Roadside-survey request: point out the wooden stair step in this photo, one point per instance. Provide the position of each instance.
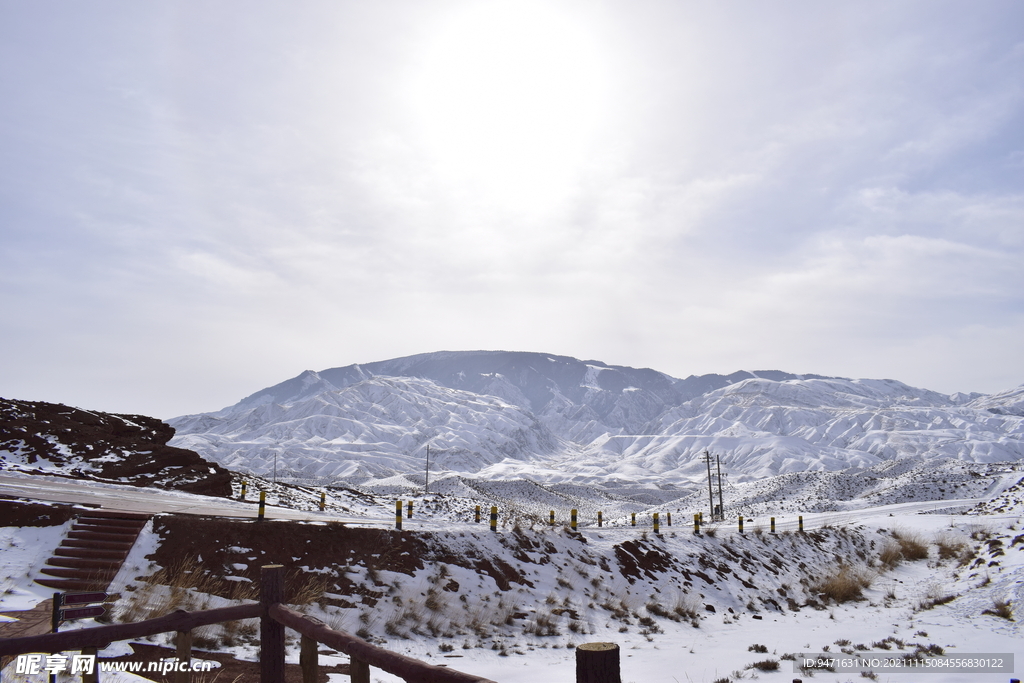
(80, 563)
(84, 574)
(92, 554)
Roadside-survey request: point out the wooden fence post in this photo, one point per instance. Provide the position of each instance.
(271, 631)
(183, 650)
(597, 663)
(93, 677)
(358, 670)
(308, 659)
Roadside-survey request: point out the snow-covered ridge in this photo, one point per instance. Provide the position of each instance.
(554, 419)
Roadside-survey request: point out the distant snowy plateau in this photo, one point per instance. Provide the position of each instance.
(563, 422)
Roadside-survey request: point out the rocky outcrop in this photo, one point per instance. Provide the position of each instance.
(50, 438)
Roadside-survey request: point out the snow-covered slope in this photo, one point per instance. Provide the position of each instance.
(507, 415)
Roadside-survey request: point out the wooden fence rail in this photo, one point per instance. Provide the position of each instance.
(274, 616)
(101, 636)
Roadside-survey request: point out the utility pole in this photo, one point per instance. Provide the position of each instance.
(711, 495)
(426, 485)
(721, 505)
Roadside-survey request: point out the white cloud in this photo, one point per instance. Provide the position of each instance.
(238, 193)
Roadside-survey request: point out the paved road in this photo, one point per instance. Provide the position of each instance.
(152, 501)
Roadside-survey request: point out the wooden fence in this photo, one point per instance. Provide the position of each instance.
(274, 616)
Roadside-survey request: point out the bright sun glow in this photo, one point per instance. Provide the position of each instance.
(508, 97)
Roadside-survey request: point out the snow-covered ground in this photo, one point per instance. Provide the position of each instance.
(576, 591)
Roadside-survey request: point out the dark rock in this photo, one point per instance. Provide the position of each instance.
(52, 438)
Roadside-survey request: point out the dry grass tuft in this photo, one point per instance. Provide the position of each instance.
(890, 555)
(765, 665)
(934, 597)
(950, 545)
(1002, 609)
(844, 584)
(912, 545)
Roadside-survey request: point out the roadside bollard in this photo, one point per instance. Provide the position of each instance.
(801, 521)
(773, 525)
(668, 518)
(572, 519)
(263, 506)
(494, 518)
(551, 518)
(656, 527)
(600, 519)
(477, 520)
(696, 524)
(597, 663)
(410, 510)
(633, 518)
(741, 524)
(398, 515)
(323, 500)
(245, 486)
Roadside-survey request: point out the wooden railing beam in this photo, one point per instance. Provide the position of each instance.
(399, 665)
(101, 636)
(274, 617)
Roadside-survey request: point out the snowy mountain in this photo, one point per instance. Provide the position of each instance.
(554, 419)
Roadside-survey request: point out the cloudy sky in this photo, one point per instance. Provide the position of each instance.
(200, 199)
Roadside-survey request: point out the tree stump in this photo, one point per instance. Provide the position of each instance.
(597, 663)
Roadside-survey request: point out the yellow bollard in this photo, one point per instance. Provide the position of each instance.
(398, 515)
(572, 519)
(696, 524)
(656, 528)
(477, 520)
(245, 486)
(801, 520)
(773, 525)
(633, 517)
(552, 518)
(600, 519)
(741, 524)
(410, 510)
(263, 505)
(494, 518)
(668, 518)
(323, 500)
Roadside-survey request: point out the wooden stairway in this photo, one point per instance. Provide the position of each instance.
(92, 554)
